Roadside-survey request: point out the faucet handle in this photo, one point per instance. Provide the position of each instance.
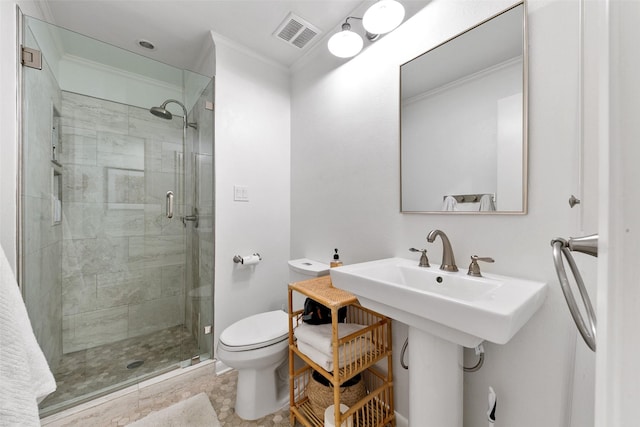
(424, 261)
(474, 268)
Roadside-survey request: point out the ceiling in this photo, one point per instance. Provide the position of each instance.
(179, 28)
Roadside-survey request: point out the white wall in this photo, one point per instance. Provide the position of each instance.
(252, 149)
(345, 192)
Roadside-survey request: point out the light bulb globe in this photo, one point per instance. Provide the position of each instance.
(383, 16)
(345, 44)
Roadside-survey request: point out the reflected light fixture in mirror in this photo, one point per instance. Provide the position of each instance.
(382, 17)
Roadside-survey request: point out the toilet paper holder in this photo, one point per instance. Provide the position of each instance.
(242, 260)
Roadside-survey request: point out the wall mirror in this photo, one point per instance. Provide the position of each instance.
(463, 115)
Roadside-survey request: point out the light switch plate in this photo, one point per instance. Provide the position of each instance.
(240, 193)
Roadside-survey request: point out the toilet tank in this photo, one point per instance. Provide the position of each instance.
(304, 269)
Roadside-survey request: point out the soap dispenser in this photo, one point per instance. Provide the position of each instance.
(336, 259)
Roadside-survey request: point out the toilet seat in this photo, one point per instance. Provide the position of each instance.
(257, 331)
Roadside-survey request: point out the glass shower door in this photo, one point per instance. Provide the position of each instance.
(104, 270)
(199, 174)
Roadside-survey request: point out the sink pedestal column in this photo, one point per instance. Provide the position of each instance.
(435, 381)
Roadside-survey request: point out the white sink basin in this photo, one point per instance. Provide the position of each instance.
(459, 308)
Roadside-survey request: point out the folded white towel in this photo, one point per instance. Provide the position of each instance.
(316, 342)
(326, 361)
(25, 378)
(486, 203)
(449, 204)
(320, 336)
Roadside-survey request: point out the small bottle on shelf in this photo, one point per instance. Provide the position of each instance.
(336, 260)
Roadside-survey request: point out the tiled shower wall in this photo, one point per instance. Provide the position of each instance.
(122, 259)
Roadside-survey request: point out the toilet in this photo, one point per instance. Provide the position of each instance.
(257, 347)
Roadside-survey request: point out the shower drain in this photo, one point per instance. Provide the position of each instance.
(135, 364)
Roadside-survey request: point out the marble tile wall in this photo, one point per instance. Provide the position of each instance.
(42, 237)
(123, 261)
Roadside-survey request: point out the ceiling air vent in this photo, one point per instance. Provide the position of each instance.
(296, 31)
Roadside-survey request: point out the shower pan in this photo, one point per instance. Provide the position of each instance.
(116, 290)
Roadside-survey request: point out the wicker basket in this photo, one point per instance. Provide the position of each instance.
(320, 393)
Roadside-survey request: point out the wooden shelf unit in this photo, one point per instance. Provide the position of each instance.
(376, 408)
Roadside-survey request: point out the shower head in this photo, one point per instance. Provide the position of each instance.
(161, 112)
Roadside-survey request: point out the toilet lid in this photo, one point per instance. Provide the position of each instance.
(259, 330)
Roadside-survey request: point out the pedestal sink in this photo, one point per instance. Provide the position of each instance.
(445, 311)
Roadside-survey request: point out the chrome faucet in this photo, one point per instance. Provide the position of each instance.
(448, 260)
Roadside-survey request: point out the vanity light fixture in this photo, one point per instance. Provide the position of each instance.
(346, 43)
(382, 17)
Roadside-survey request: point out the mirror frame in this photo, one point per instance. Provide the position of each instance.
(525, 116)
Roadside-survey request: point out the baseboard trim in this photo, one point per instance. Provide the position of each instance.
(221, 368)
(401, 421)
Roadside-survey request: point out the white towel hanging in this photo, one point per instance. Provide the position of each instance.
(449, 203)
(25, 378)
(486, 203)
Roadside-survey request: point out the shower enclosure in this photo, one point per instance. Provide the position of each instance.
(117, 289)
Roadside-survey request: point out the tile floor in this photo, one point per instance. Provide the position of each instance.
(87, 373)
(223, 396)
(136, 404)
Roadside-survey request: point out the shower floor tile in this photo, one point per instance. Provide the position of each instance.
(85, 374)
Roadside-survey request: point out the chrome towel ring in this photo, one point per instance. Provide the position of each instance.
(588, 245)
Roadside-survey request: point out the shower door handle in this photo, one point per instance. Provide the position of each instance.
(169, 204)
